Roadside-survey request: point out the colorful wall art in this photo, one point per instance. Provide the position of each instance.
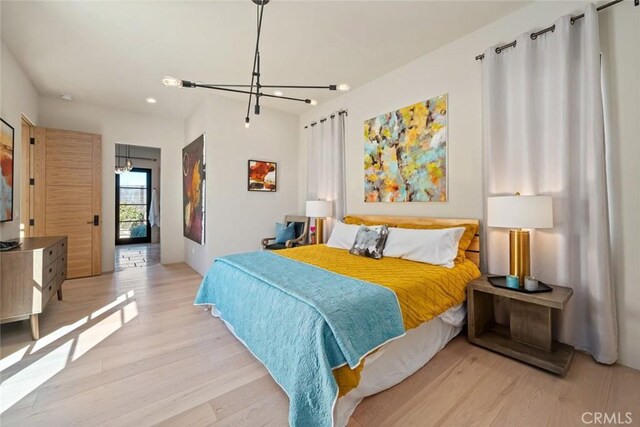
(6, 172)
(263, 176)
(405, 154)
(193, 190)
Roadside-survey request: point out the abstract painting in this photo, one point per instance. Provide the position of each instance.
(6, 172)
(193, 190)
(263, 176)
(405, 154)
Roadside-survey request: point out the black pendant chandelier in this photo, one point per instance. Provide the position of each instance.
(254, 90)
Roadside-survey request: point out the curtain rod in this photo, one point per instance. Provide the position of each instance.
(341, 112)
(553, 27)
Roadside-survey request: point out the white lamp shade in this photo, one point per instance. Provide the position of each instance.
(319, 208)
(520, 212)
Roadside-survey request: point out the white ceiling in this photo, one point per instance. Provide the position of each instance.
(115, 53)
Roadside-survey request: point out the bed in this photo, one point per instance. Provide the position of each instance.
(332, 328)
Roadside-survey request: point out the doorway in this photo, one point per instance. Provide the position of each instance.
(137, 207)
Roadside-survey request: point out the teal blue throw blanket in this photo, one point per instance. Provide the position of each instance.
(301, 322)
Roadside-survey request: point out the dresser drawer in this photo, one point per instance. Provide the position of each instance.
(48, 291)
(62, 261)
(49, 272)
(49, 254)
(62, 247)
(62, 275)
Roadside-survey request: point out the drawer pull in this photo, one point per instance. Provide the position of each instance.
(50, 270)
(50, 252)
(63, 245)
(49, 287)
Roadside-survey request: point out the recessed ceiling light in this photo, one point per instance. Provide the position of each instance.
(151, 100)
(66, 97)
(278, 93)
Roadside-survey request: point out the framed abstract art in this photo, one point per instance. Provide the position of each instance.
(193, 190)
(6, 171)
(405, 154)
(262, 176)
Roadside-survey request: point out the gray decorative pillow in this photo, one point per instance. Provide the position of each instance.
(370, 241)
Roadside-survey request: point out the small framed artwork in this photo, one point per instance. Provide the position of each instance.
(6, 172)
(263, 176)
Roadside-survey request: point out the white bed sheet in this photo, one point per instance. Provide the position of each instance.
(399, 359)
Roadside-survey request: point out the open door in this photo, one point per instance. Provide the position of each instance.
(68, 195)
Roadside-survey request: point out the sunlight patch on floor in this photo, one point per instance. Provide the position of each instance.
(33, 376)
(103, 329)
(25, 381)
(13, 358)
(60, 332)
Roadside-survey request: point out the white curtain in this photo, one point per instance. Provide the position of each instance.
(326, 166)
(544, 134)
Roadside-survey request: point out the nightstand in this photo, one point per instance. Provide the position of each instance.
(528, 336)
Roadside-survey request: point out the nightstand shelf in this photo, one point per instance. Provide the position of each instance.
(528, 337)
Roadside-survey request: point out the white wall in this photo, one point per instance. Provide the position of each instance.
(619, 38)
(452, 69)
(18, 97)
(118, 126)
(237, 219)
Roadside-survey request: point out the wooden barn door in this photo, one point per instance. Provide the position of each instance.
(68, 195)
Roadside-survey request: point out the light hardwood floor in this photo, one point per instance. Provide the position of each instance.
(130, 349)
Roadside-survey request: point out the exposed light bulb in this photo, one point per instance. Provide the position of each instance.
(151, 100)
(246, 123)
(278, 93)
(128, 165)
(344, 87)
(313, 102)
(171, 81)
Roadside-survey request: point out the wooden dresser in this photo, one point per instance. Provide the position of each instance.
(31, 274)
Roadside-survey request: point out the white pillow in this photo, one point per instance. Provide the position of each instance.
(343, 235)
(438, 246)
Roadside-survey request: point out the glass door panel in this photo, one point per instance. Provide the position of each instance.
(133, 196)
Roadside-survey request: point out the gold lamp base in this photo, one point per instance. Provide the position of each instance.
(519, 260)
(319, 231)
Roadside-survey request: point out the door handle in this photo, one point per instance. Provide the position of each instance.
(96, 220)
(89, 222)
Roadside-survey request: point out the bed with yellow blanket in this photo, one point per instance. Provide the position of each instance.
(425, 295)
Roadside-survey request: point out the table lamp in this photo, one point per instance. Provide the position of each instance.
(518, 212)
(319, 209)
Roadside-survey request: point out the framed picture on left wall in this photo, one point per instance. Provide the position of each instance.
(6, 171)
(193, 190)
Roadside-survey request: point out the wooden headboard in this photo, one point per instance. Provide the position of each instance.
(473, 251)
